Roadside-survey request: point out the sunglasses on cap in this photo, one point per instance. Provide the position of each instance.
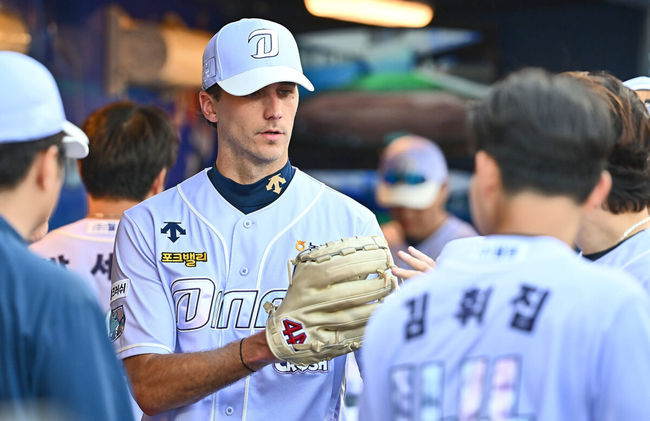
(392, 177)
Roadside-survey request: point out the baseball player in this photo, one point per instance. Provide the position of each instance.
(194, 265)
(515, 325)
(414, 186)
(54, 355)
(131, 148)
(617, 234)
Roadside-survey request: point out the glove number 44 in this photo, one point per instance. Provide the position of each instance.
(294, 332)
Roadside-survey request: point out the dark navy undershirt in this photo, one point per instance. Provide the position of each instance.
(251, 197)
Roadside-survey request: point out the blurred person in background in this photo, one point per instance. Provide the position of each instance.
(131, 149)
(617, 233)
(641, 85)
(55, 355)
(414, 186)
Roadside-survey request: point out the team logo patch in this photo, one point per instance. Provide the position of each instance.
(174, 229)
(290, 368)
(267, 43)
(275, 184)
(302, 245)
(188, 257)
(294, 332)
(116, 323)
(210, 67)
(119, 289)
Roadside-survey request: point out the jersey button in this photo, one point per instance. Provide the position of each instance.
(243, 271)
(229, 410)
(248, 223)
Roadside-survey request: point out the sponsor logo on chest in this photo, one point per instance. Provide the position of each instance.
(290, 368)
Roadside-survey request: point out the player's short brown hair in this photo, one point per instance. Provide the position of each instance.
(548, 133)
(129, 146)
(629, 161)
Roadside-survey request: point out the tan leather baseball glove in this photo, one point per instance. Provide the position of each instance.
(332, 293)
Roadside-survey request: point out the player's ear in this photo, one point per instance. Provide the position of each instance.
(599, 193)
(158, 184)
(487, 174)
(208, 106)
(48, 169)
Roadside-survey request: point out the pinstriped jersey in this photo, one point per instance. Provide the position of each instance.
(510, 328)
(191, 273)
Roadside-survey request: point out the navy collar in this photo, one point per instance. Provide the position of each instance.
(251, 197)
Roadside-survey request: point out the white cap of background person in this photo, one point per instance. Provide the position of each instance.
(249, 54)
(639, 83)
(31, 107)
(412, 169)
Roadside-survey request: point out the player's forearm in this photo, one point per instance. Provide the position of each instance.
(164, 382)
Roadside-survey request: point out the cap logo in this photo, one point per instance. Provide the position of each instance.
(267, 43)
(209, 68)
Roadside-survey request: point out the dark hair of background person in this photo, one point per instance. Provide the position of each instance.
(16, 158)
(129, 146)
(629, 161)
(548, 133)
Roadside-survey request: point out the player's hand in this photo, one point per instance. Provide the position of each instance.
(418, 261)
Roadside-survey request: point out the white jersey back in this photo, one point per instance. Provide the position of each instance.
(510, 328)
(85, 247)
(192, 272)
(633, 256)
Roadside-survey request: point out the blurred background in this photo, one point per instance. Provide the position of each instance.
(374, 80)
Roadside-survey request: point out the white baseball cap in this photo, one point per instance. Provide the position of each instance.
(31, 107)
(412, 169)
(249, 54)
(639, 83)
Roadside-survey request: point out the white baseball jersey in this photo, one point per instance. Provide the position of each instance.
(633, 256)
(510, 328)
(85, 247)
(191, 273)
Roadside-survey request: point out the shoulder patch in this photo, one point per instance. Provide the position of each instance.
(119, 289)
(116, 323)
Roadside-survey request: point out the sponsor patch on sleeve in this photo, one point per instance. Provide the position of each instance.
(119, 289)
(116, 323)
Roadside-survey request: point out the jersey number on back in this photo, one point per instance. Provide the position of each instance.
(485, 391)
